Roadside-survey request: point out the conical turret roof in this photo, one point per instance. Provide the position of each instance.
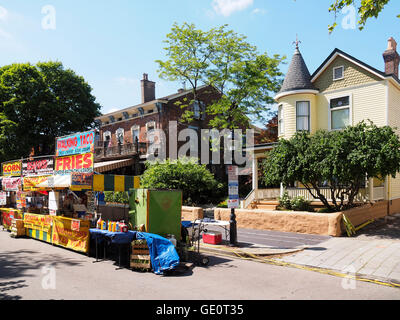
(298, 77)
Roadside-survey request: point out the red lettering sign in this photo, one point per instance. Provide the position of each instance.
(80, 163)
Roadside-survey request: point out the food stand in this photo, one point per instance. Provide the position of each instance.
(11, 183)
(56, 198)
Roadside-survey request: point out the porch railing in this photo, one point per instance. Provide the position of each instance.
(378, 194)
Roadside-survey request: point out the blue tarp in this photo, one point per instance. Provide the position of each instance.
(115, 237)
(163, 254)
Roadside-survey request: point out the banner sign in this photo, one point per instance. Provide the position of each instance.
(12, 169)
(3, 198)
(21, 199)
(64, 236)
(11, 184)
(38, 222)
(79, 143)
(34, 183)
(8, 216)
(39, 167)
(81, 163)
(82, 181)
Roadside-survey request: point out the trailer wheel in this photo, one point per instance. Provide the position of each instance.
(205, 261)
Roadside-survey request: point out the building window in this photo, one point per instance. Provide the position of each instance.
(107, 138)
(135, 133)
(196, 110)
(120, 135)
(338, 73)
(339, 113)
(150, 127)
(303, 116)
(281, 127)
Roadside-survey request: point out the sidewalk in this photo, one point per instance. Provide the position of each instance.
(373, 254)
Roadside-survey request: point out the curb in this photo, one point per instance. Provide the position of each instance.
(241, 254)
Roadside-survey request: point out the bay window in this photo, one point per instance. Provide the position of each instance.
(303, 116)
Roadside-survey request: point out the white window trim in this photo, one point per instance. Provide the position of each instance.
(350, 107)
(334, 69)
(107, 134)
(123, 134)
(281, 119)
(135, 128)
(149, 124)
(309, 114)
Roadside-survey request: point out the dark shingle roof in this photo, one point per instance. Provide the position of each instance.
(298, 77)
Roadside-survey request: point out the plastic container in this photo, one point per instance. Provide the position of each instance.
(104, 225)
(172, 238)
(99, 224)
(124, 227)
(212, 237)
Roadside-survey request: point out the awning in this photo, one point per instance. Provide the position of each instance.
(115, 183)
(112, 165)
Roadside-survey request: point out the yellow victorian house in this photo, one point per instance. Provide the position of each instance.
(343, 91)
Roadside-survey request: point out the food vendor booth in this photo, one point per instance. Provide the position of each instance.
(11, 185)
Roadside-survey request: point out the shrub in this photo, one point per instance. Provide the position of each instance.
(295, 204)
(301, 204)
(285, 202)
(196, 182)
(116, 197)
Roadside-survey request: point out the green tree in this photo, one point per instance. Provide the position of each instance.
(39, 103)
(342, 160)
(196, 181)
(225, 61)
(367, 9)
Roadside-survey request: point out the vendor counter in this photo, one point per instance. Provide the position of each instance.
(8, 214)
(65, 232)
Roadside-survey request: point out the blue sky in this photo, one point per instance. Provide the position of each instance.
(112, 43)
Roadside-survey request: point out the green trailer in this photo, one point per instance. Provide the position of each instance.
(159, 211)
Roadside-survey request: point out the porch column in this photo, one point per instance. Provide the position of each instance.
(255, 172)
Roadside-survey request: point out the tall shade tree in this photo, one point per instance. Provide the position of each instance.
(367, 9)
(338, 160)
(225, 61)
(39, 103)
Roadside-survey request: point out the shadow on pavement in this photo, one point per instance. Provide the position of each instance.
(10, 285)
(17, 264)
(381, 229)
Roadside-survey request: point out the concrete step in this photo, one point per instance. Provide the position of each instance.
(263, 207)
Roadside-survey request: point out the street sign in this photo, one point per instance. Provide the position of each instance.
(233, 185)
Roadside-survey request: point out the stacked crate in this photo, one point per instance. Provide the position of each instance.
(140, 257)
(17, 228)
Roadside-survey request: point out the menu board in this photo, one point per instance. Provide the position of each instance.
(39, 167)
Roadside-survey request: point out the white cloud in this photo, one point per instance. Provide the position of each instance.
(227, 7)
(259, 11)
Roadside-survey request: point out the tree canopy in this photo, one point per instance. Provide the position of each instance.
(226, 61)
(196, 181)
(338, 160)
(367, 9)
(39, 103)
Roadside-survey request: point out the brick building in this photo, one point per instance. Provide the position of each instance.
(122, 143)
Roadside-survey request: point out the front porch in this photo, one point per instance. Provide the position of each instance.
(267, 198)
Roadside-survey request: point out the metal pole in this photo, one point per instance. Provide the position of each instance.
(233, 229)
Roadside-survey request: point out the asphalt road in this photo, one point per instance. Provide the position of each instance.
(30, 269)
(274, 239)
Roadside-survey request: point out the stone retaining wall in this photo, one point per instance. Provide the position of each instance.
(303, 222)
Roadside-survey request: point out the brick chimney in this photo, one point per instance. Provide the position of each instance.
(148, 89)
(392, 58)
